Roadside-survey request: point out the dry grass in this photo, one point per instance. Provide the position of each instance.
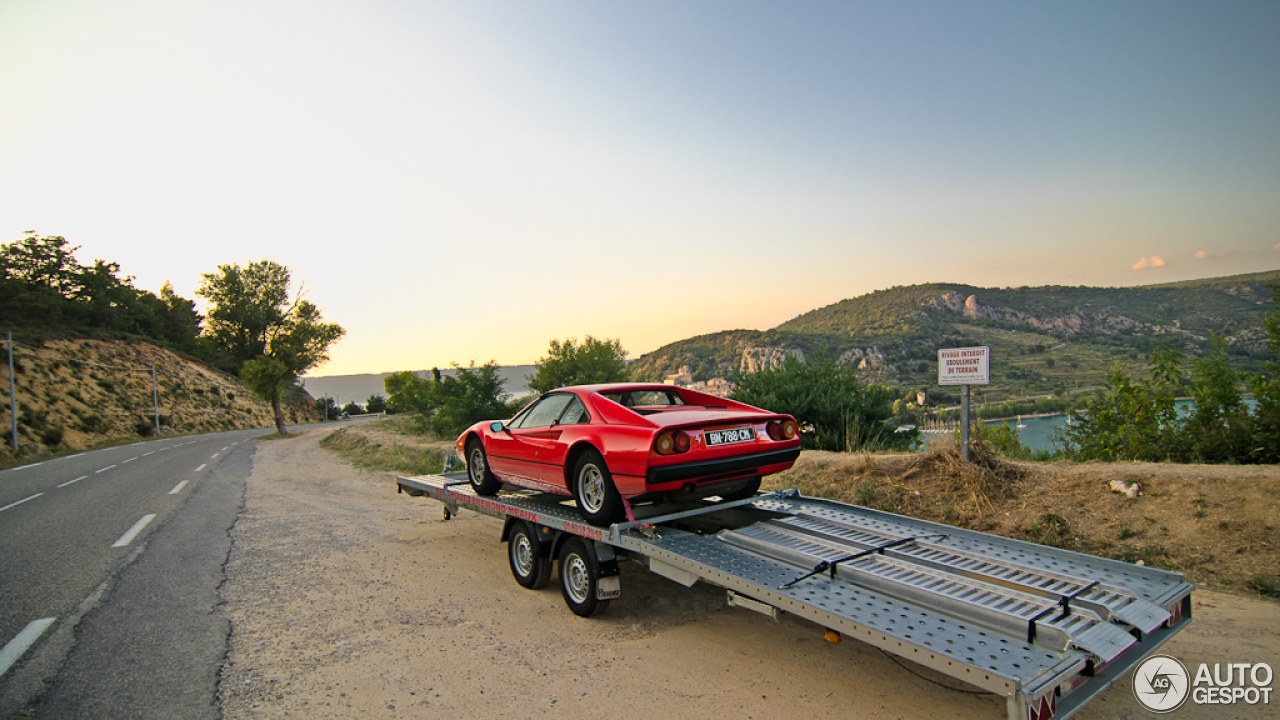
(937, 485)
(390, 445)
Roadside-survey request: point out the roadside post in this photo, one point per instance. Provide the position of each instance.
(964, 366)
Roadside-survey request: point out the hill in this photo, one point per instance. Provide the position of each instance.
(75, 393)
(1043, 339)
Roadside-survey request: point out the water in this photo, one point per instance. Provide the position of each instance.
(1040, 431)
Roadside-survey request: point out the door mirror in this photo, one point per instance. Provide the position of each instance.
(497, 427)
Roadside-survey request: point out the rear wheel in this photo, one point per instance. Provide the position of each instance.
(598, 500)
(531, 568)
(747, 491)
(580, 577)
(483, 481)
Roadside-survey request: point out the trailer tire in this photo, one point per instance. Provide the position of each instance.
(580, 577)
(594, 492)
(530, 567)
(483, 481)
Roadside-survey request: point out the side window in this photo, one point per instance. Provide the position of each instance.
(575, 413)
(546, 411)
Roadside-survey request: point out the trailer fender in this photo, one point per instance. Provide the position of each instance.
(542, 534)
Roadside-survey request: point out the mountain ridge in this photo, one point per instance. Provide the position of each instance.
(894, 334)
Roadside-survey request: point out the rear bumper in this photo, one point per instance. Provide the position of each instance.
(719, 469)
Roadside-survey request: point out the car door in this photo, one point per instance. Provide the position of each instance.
(517, 454)
(558, 438)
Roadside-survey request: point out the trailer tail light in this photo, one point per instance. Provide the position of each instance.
(782, 429)
(672, 443)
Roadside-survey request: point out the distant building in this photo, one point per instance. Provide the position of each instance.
(682, 378)
(717, 386)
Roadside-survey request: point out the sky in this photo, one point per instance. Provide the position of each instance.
(458, 181)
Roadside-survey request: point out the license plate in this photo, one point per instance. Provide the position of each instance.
(728, 437)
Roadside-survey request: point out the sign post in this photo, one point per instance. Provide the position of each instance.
(964, 367)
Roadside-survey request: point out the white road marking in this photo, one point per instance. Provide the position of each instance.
(153, 452)
(135, 457)
(199, 468)
(132, 533)
(213, 456)
(31, 465)
(73, 481)
(178, 488)
(33, 497)
(224, 448)
(23, 642)
(95, 472)
(163, 449)
(68, 457)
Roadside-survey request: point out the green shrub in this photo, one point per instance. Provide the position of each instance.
(51, 436)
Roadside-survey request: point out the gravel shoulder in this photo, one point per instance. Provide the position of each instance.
(347, 600)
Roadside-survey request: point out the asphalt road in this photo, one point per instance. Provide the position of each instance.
(110, 563)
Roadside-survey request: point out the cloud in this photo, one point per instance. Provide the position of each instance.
(1205, 255)
(1155, 261)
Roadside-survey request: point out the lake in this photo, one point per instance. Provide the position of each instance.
(1040, 431)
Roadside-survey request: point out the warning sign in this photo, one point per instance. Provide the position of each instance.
(964, 366)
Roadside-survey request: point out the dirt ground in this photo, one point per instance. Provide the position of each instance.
(349, 601)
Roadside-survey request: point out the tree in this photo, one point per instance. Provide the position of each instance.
(446, 404)
(351, 408)
(327, 407)
(846, 413)
(375, 404)
(471, 395)
(247, 303)
(409, 392)
(252, 319)
(42, 285)
(571, 363)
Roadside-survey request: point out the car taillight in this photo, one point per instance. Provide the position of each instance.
(672, 443)
(782, 429)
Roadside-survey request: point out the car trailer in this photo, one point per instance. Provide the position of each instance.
(1048, 629)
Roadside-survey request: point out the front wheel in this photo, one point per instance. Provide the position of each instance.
(531, 568)
(580, 578)
(483, 481)
(598, 500)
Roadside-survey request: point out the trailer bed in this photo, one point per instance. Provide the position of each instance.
(1047, 629)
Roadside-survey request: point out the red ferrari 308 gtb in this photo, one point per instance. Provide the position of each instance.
(602, 444)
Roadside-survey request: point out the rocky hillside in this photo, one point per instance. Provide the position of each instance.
(1042, 338)
(74, 393)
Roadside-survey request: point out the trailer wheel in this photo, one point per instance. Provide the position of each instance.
(531, 568)
(483, 481)
(579, 577)
(598, 500)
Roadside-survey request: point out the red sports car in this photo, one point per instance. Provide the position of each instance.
(603, 444)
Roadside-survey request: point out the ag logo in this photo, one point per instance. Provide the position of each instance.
(1161, 683)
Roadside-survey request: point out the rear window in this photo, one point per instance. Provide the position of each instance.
(645, 398)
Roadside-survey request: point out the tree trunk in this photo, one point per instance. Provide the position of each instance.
(275, 408)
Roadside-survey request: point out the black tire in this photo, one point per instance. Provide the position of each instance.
(530, 567)
(747, 491)
(483, 481)
(580, 578)
(598, 500)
